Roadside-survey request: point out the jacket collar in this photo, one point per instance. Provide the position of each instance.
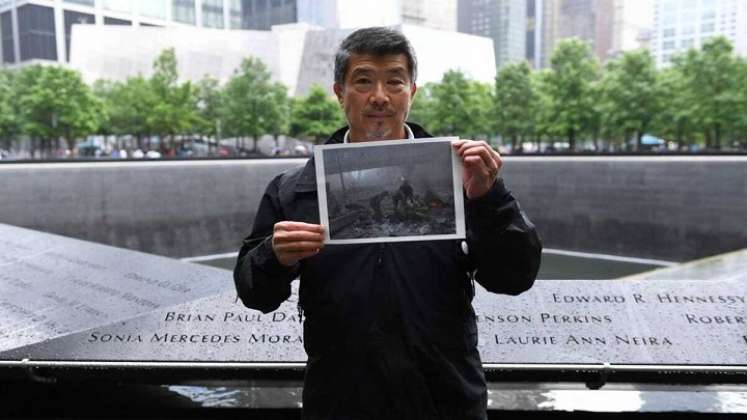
(307, 181)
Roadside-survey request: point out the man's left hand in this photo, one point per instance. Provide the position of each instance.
(481, 165)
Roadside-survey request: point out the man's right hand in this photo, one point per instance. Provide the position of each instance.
(294, 241)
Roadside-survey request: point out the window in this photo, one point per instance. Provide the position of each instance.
(708, 27)
(235, 14)
(687, 43)
(114, 21)
(668, 45)
(6, 34)
(212, 13)
(152, 8)
(73, 18)
(183, 11)
(667, 33)
(83, 2)
(117, 5)
(36, 32)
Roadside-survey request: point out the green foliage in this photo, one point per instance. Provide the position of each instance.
(174, 109)
(279, 113)
(515, 102)
(701, 98)
(629, 96)
(712, 76)
(459, 107)
(248, 101)
(422, 104)
(9, 122)
(209, 106)
(569, 88)
(55, 103)
(678, 114)
(315, 115)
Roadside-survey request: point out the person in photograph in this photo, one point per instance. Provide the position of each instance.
(389, 329)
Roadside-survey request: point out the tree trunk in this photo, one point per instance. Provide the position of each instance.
(572, 140)
(639, 140)
(717, 137)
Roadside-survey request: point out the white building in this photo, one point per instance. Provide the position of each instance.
(434, 14)
(632, 22)
(299, 55)
(683, 24)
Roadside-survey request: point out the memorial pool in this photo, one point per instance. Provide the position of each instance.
(556, 265)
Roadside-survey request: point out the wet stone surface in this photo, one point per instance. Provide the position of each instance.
(197, 317)
(52, 286)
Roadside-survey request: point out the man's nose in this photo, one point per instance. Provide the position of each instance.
(379, 95)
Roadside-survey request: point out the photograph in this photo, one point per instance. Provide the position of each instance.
(390, 191)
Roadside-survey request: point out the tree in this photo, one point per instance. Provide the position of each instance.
(422, 105)
(712, 76)
(541, 118)
(315, 115)
(740, 128)
(676, 120)
(128, 106)
(209, 108)
(249, 104)
(278, 117)
(175, 108)
(460, 107)
(55, 103)
(629, 96)
(569, 89)
(9, 123)
(514, 102)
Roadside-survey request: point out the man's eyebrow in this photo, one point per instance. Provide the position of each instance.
(361, 70)
(399, 70)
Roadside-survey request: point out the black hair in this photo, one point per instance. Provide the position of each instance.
(375, 41)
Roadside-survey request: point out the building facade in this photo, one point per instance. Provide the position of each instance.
(298, 55)
(434, 14)
(41, 29)
(534, 30)
(679, 25)
(504, 21)
(590, 20)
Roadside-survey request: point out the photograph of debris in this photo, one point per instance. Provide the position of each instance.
(390, 191)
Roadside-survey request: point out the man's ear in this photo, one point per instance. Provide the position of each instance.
(338, 91)
(413, 89)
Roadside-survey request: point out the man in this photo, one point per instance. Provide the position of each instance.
(389, 329)
(375, 203)
(404, 194)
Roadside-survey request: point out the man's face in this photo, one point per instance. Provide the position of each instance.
(376, 96)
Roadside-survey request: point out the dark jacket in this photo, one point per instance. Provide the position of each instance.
(389, 329)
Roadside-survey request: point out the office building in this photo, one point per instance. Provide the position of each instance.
(590, 20)
(434, 14)
(41, 29)
(679, 25)
(504, 21)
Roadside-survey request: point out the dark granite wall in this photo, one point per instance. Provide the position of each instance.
(676, 208)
